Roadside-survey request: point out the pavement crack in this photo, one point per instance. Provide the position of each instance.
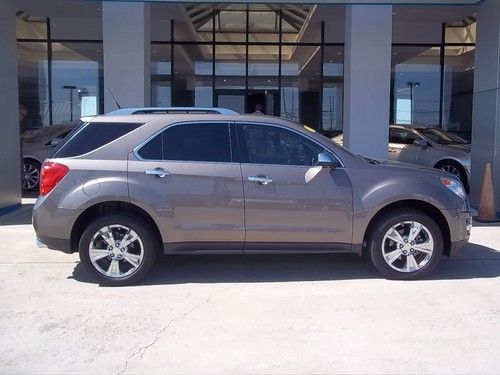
(143, 349)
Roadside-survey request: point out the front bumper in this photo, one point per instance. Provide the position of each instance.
(456, 247)
(460, 224)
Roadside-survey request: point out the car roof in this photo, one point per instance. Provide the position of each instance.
(171, 110)
(168, 118)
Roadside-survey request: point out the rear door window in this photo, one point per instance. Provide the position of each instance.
(91, 136)
(204, 142)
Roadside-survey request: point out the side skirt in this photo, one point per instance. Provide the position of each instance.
(259, 248)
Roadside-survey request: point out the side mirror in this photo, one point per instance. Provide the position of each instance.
(326, 160)
(55, 142)
(420, 142)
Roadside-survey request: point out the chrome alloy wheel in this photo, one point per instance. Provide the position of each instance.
(451, 169)
(116, 251)
(407, 246)
(31, 176)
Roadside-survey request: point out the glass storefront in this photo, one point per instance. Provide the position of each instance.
(432, 83)
(416, 72)
(458, 88)
(33, 81)
(255, 57)
(75, 80)
(59, 81)
(285, 60)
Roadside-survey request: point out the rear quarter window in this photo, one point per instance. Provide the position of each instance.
(92, 135)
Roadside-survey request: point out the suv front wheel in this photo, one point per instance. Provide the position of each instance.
(117, 250)
(405, 245)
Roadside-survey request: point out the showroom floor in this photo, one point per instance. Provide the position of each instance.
(253, 314)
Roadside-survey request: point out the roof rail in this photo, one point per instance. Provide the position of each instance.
(173, 110)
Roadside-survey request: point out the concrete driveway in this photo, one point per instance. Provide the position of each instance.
(254, 314)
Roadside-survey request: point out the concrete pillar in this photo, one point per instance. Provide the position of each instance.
(367, 78)
(486, 108)
(126, 47)
(10, 162)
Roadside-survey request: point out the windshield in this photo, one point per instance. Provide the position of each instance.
(442, 137)
(456, 138)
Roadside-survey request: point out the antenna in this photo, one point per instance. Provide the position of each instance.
(116, 101)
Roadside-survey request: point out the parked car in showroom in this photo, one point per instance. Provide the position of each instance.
(414, 145)
(36, 149)
(123, 188)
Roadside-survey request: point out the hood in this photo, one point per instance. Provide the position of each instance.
(407, 167)
(458, 146)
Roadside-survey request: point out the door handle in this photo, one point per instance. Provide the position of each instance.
(260, 179)
(158, 172)
(392, 150)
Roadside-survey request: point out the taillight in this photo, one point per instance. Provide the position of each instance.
(51, 174)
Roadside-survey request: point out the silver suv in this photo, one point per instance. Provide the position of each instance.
(122, 188)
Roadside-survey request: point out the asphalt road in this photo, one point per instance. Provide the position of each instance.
(253, 314)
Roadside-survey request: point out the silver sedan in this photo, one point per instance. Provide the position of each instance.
(36, 149)
(411, 145)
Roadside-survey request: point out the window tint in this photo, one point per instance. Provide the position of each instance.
(153, 150)
(91, 136)
(274, 145)
(190, 142)
(197, 142)
(401, 136)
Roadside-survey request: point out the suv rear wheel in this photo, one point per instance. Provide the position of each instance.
(117, 250)
(405, 245)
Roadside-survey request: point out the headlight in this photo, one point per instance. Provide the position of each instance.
(455, 186)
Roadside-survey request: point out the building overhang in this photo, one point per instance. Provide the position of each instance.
(344, 2)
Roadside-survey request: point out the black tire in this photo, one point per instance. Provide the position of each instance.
(147, 238)
(447, 165)
(30, 175)
(376, 239)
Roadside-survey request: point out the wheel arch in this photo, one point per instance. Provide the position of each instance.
(107, 208)
(463, 170)
(425, 207)
(31, 158)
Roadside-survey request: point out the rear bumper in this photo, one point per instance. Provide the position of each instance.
(53, 243)
(51, 223)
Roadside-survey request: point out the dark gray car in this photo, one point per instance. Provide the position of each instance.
(122, 188)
